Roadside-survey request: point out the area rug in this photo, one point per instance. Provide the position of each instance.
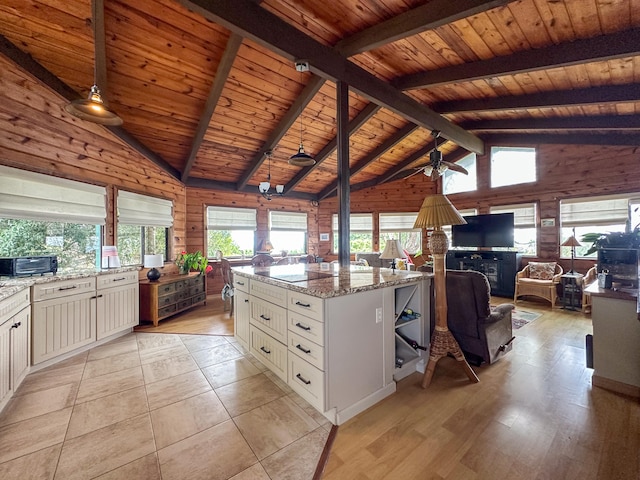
(519, 318)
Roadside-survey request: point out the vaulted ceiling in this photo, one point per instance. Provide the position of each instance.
(206, 88)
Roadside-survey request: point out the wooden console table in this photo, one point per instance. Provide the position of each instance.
(171, 295)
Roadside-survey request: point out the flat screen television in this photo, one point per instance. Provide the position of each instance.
(495, 230)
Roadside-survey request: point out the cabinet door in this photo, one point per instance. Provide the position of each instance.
(20, 342)
(5, 360)
(117, 309)
(63, 324)
(241, 317)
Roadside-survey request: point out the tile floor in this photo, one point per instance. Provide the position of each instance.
(159, 406)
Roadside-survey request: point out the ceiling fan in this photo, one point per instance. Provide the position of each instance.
(437, 166)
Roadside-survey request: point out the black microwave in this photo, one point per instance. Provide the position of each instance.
(23, 266)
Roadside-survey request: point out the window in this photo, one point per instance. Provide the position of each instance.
(288, 231)
(465, 213)
(524, 232)
(400, 226)
(361, 234)
(603, 214)
(456, 182)
(143, 227)
(45, 215)
(231, 230)
(512, 166)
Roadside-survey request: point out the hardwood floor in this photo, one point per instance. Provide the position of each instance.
(209, 319)
(534, 415)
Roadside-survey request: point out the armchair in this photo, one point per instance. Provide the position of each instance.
(538, 279)
(589, 277)
(483, 334)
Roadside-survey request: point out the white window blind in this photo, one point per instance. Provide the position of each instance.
(524, 214)
(34, 196)
(398, 222)
(605, 210)
(143, 210)
(359, 222)
(288, 221)
(230, 218)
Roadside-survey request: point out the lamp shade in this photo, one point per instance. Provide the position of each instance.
(110, 257)
(436, 211)
(571, 242)
(152, 261)
(392, 249)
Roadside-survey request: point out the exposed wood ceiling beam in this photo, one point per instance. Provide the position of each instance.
(561, 139)
(44, 76)
(604, 47)
(251, 21)
(420, 19)
(307, 94)
(559, 98)
(222, 73)
(360, 119)
(603, 122)
(372, 156)
(204, 183)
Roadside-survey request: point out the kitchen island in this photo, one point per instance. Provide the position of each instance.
(338, 336)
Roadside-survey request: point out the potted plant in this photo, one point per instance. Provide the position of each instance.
(629, 239)
(192, 261)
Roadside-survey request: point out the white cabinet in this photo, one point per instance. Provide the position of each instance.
(15, 320)
(117, 306)
(64, 317)
(241, 310)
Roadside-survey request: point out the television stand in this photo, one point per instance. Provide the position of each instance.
(499, 267)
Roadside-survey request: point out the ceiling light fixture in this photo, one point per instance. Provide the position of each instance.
(94, 108)
(265, 186)
(301, 159)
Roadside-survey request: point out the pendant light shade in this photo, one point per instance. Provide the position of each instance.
(301, 158)
(93, 109)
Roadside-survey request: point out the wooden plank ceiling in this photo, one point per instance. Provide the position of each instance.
(206, 88)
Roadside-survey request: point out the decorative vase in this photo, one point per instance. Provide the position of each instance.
(184, 270)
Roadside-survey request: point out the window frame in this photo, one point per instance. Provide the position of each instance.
(352, 217)
(471, 165)
(522, 221)
(294, 227)
(494, 168)
(405, 222)
(239, 219)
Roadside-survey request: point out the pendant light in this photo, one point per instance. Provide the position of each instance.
(264, 187)
(94, 108)
(301, 159)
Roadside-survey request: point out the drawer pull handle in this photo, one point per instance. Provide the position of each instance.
(240, 283)
(300, 347)
(265, 318)
(67, 288)
(16, 325)
(302, 379)
(119, 279)
(305, 305)
(246, 300)
(268, 352)
(303, 327)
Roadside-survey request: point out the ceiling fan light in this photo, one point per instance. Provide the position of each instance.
(264, 187)
(301, 159)
(93, 109)
(279, 189)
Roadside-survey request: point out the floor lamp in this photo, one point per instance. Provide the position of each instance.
(572, 242)
(437, 211)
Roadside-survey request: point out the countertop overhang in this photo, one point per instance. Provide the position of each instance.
(327, 280)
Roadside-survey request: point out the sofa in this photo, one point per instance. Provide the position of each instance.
(484, 335)
(373, 259)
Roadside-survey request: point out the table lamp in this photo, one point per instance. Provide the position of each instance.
(573, 243)
(392, 250)
(110, 258)
(151, 262)
(437, 211)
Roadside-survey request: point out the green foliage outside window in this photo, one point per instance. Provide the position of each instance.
(223, 240)
(76, 246)
(358, 242)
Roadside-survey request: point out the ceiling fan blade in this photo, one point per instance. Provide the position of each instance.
(417, 171)
(455, 167)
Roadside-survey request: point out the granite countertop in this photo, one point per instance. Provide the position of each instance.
(12, 285)
(326, 280)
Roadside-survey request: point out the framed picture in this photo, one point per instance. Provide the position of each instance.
(548, 222)
(324, 237)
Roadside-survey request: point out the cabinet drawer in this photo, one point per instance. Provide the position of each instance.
(182, 304)
(116, 279)
(307, 305)
(166, 288)
(163, 312)
(63, 288)
(195, 290)
(307, 350)
(168, 300)
(241, 283)
(306, 327)
(269, 351)
(307, 381)
(13, 304)
(270, 318)
(199, 298)
(270, 293)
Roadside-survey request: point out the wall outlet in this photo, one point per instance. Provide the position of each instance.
(379, 315)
